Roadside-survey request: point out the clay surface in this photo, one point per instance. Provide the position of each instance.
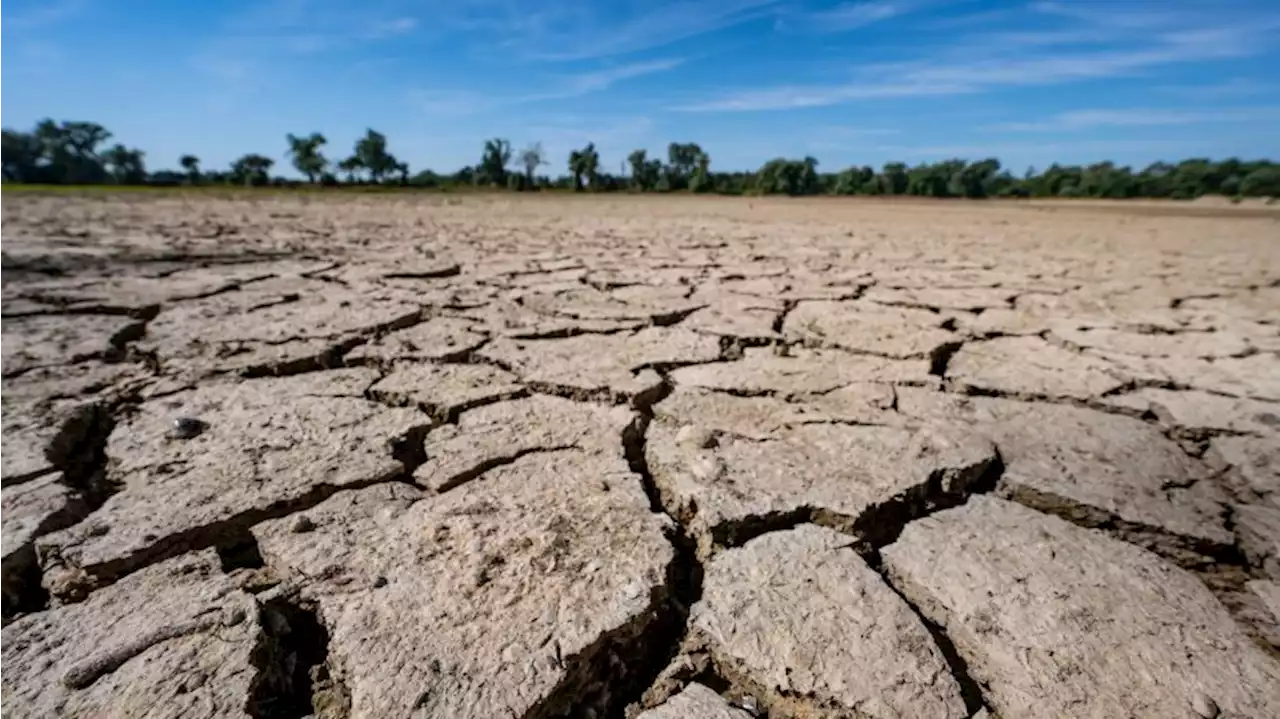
(349, 455)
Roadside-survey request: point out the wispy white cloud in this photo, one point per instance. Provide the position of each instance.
(563, 87)
(955, 71)
(569, 31)
(586, 82)
(379, 29)
(1235, 87)
(857, 131)
(1144, 15)
(1140, 117)
(843, 137)
(801, 96)
(451, 102)
(309, 27)
(262, 45)
(973, 19)
(846, 16)
(50, 12)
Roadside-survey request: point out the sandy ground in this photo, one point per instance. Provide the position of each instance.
(365, 456)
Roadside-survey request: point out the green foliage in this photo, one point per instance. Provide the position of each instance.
(305, 152)
(1261, 182)
(22, 153)
(856, 181)
(251, 170)
(645, 173)
(372, 156)
(65, 154)
(789, 177)
(351, 166)
(584, 165)
(125, 165)
(191, 164)
(700, 180)
(71, 153)
(426, 178)
(492, 169)
(682, 161)
(896, 179)
(532, 158)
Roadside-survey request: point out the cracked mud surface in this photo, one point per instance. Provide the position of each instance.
(638, 457)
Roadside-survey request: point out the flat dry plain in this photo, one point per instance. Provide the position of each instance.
(378, 456)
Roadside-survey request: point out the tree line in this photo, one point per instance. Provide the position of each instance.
(77, 153)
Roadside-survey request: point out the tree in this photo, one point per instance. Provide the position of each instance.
(352, 167)
(65, 153)
(305, 152)
(848, 182)
(22, 152)
(252, 169)
(371, 153)
(465, 176)
(1262, 182)
(700, 180)
(646, 174)
(191, 164)
(971, 180)
(532, 158)
(575, 169)
(895, 178)
(638, 161)
(584, 164)
(125, 165)
(682, 159)
(789, 177)
(69, 152)
(493, 163)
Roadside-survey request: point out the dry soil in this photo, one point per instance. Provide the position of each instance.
(333, 455)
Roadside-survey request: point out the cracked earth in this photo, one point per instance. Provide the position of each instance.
(287, 456)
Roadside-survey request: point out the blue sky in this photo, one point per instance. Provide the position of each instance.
(849, 82)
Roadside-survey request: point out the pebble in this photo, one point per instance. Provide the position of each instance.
(186, 428)
(302, 524)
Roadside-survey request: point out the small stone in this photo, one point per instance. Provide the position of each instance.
(302, 524)
(1204, 706)
(749, 705)
(380, 582)
(695, 436)
(187, 428)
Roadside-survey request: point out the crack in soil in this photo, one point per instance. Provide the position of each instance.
(1185, 551)
(78, 451)
(491, 463)
(683, 585)
(294, 676)
(970, 691)
(878, 524)
(228, 535)
(941, 356)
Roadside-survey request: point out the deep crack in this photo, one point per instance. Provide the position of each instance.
(293, 674)
(684, 575)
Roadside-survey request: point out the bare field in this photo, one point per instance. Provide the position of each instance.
(441, 456)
